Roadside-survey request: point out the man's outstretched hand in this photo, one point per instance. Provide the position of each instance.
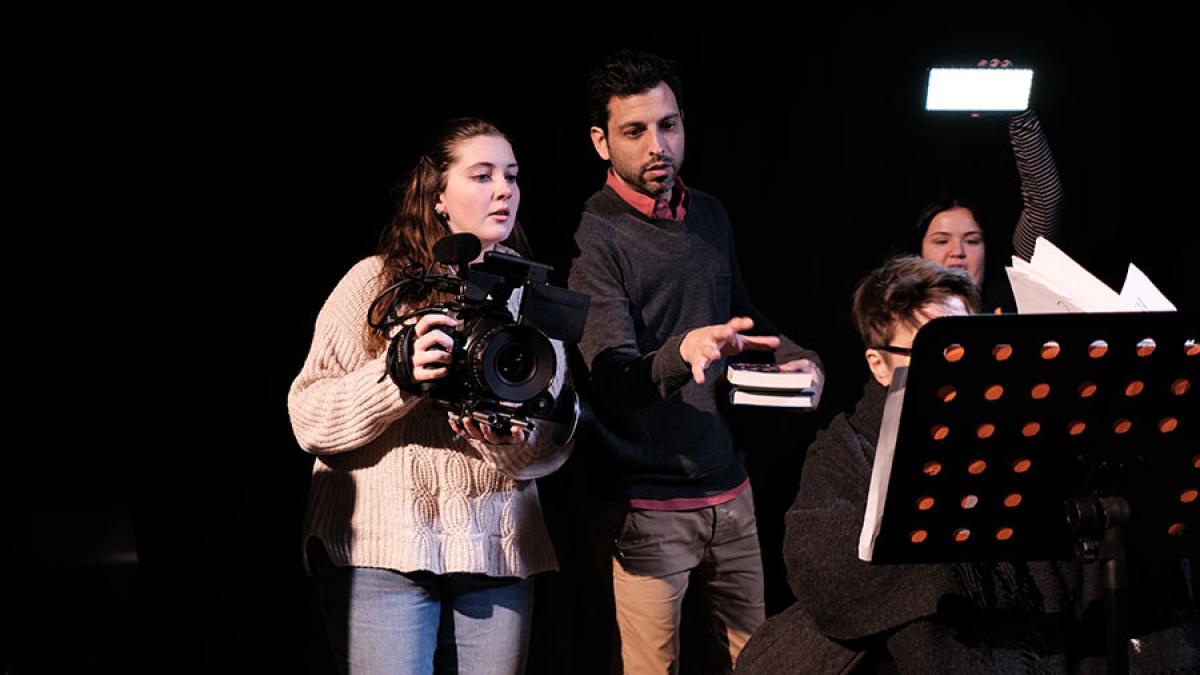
(702, 346)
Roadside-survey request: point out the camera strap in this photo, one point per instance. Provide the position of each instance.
(399, 362)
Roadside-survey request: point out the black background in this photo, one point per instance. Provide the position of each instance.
(202, 184)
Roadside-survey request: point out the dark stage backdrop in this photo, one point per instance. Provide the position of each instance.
(286, 134)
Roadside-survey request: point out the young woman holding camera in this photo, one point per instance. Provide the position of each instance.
(422, 533)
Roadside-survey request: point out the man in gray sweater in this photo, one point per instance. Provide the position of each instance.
(668, 308)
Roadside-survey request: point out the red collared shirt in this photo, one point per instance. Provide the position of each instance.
(673, 208)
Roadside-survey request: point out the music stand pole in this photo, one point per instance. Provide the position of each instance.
(1101, 526)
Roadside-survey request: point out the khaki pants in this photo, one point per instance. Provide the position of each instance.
(657, 554)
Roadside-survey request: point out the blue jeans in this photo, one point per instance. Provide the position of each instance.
(382, 621)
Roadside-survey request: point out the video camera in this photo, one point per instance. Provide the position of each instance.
(502, 366)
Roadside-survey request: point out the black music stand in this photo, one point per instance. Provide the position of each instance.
(1002, 422)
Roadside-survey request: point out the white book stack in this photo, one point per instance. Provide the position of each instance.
(764, 384)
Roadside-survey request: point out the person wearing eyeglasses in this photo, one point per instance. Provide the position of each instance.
(979, 617)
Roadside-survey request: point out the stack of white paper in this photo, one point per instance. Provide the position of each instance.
(1052, 283)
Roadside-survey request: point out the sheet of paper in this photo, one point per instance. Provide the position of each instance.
(1052, 283)
(1034, 295)
(881, 471)
(1069, 277)
(1141, 293)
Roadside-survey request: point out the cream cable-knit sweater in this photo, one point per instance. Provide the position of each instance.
(392, 486)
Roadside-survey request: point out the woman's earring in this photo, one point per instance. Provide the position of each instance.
(442, 217)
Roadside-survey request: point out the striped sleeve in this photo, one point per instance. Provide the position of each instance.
(1041, 189)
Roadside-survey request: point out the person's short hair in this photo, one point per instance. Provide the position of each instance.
(896, 292)
(626, 73)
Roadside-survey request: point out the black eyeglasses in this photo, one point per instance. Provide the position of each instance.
(893, 349)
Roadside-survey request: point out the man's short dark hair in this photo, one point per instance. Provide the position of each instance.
(896, 292)
(626, 73)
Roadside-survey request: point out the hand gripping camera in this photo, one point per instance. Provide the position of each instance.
(501, 366)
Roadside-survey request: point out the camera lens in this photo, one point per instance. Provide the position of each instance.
(511, 362)
(514, 363)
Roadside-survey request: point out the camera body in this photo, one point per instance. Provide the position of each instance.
(502, 365)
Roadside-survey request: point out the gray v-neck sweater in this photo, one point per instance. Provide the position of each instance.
(651, 281)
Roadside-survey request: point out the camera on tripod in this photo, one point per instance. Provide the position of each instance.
(502, 366)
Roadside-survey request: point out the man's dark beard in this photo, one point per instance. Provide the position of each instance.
(665, 184)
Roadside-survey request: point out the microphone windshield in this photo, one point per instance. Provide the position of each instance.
(457, 249)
